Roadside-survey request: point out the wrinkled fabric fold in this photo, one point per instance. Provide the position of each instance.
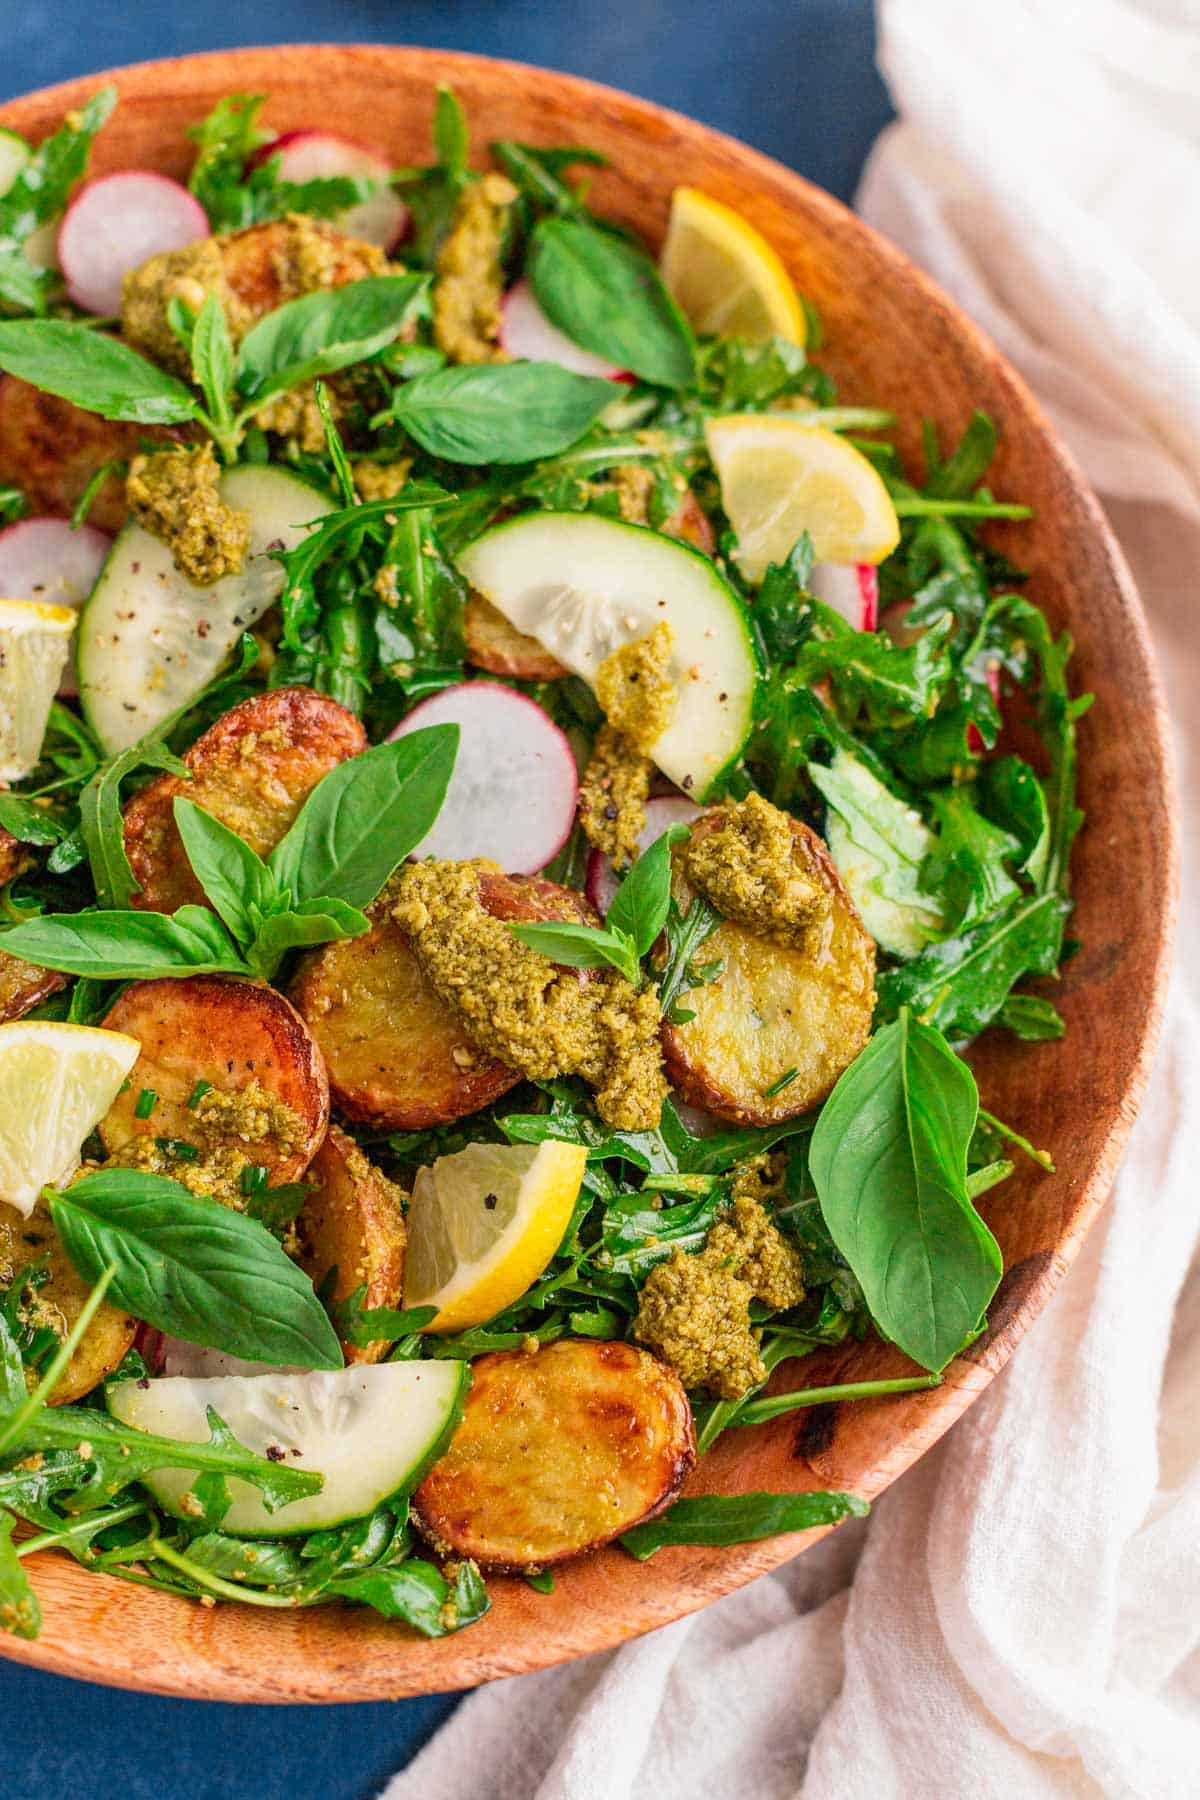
(1021, 1614)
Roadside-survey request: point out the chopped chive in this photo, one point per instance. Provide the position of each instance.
(178, 1148)
(253, 1178)
(145, 1103)
(777, 1087)
(197, 1094)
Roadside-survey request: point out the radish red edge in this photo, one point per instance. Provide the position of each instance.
(526, 333)
(600, 881)
(975, 743)
(310, 154)
(513, 794)
(115, 224)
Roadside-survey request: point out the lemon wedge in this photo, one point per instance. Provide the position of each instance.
(725, 275)
(483, 1224)
(780, 477)
(34, 641)
(56, 1084)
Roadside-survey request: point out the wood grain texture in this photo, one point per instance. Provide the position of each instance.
(894, 340)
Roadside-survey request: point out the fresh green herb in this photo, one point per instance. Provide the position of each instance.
(360, 1324)
(19, 1610)
(686, 933)
(127, 946)
(37, 194)
(1032, 1018)
(95, 372)
(498, 412)
(960, 984)
(542, 1582)
(324, 332)
(635, 919)
(608, 296)
(145, 1103)
(236, 189)
(784, 1081)
(739, 1519)
(889, 1160)
(193, 1268)
(197, 1094)
(757, 1412)
(180, 1149)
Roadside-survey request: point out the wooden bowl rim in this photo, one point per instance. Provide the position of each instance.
(411, 1666)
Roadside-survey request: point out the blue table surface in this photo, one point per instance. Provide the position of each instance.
(796, 78)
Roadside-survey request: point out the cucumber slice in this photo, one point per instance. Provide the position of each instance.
(149, 639)
(372, 1431)
(584, 586)
(878, 844)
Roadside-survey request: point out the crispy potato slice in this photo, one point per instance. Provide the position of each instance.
(398, 1058)
(495, 645)
(353, 1222)
(559, 1452)
(15, 857)
(246, 1042)
(51, 449)
(59, 1303)
(252, 770)
(22, 987)
(774, 1009)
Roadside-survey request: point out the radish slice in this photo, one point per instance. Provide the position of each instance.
(526, 332)
(43, 559)
(851, 589)
(601, 881)
(514, 788)
(315, 155)
(175, 1356)
(116, 224)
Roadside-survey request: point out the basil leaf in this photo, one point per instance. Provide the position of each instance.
(960, 984)
(194, 1268)
(127, 946)
(966, 868)
(739, 1519)
(608, 296)
(232, 875)
(94, 372)
(323, 332)
(582, 947)
(500, 412)
(19, 1610)
(639, 909)
(889, 1162)
(365, 817)
(212, 359)
(319, 921)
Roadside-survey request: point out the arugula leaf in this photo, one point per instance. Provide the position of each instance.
(194, 1268)
(960, 984)
(1015, 797)
(19, 1610)
(686, 932)
(892, 843)
(889, 1161)
(94, 372)
(361, 1325)
(127, 946)
(739, 1519)
(966, 867)
(29, 823)
(37, 194)
(961, 473)
(234, 196)
(888, 680)
(780, 610)
(323, 332)
(639, 908)
(608, 296)
(417, 1593)
(1034, 1020)
(431, 194)
(499, 412)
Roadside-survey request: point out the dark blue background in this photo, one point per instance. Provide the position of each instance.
(796, 78)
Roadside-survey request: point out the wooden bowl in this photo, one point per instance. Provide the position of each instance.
(893, 340)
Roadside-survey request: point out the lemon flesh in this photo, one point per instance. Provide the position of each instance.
(780, 477)
(34, 643)
(724, 274)
(483, 1225)
(56, 1084)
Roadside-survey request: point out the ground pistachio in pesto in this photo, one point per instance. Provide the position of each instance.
(695, 1309)
(530, 1013)
(227, 1131)
(470, 281)
(175, 494)
(635, 689)
(612, 795)
(746, 867)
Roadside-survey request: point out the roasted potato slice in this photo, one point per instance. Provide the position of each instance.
(252, 770)
(267, 1097)
(61, 1300)
(774, 1010)
(397, 1056)
(559, 1451)
(22, 987)
(353, 1222)
(495, 645)
(51, 449)
(14, 857)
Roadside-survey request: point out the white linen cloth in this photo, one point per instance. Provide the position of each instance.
(1021, 1615)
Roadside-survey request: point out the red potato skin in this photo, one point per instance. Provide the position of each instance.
(253, 769)
(398, 1059)
(51, 450)
(231, 1033)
